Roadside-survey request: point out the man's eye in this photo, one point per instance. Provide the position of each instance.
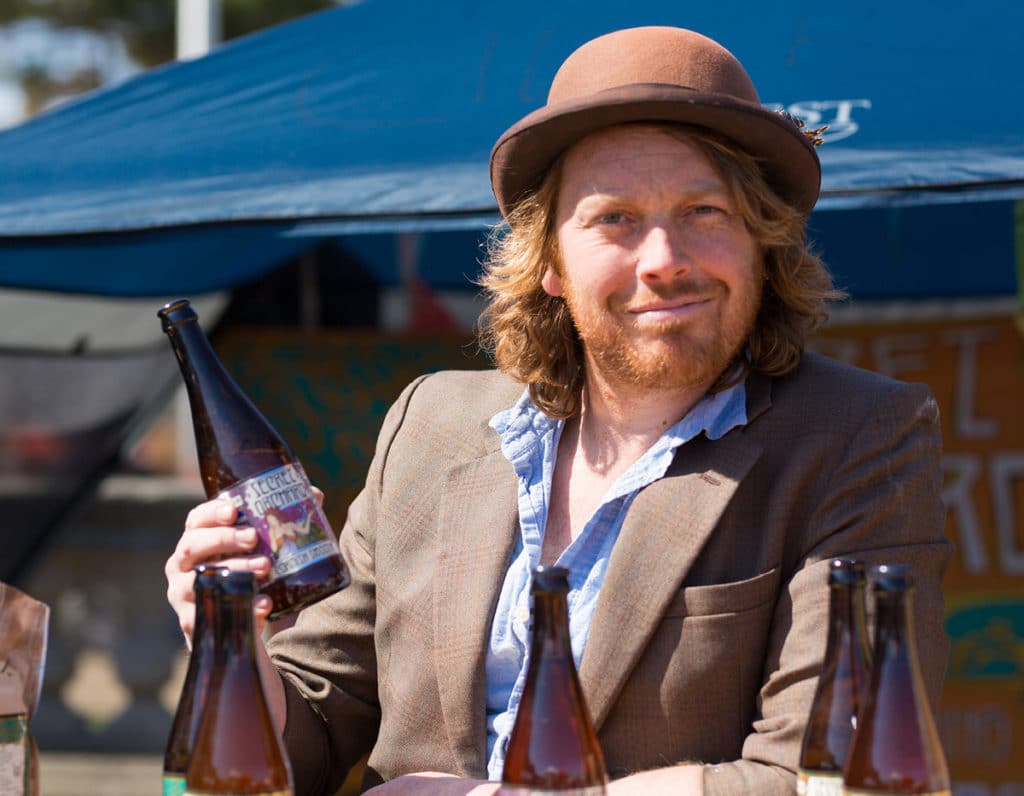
(703, 210)
(611, 218)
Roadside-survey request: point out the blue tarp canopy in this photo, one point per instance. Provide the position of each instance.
(379, 117)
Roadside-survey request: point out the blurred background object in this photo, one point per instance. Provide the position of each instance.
(319, 189)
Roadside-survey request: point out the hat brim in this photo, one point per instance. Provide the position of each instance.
(527, 149)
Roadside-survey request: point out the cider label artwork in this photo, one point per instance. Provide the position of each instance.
(174, 786)
(292, 528)
(814, 783)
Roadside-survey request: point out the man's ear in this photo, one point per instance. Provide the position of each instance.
(551, 282)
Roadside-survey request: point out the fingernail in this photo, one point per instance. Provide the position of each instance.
(245, 535)
(225, 512)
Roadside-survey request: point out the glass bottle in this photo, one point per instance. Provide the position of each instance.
(242, 458)
(844, 676)
(237, 748)
(553, 747)
(194, 687)
(896, 748)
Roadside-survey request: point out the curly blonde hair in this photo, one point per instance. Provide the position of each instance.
(531, 334)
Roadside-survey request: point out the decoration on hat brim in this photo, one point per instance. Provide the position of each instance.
(814, 136)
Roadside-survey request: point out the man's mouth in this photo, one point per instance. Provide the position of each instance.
(670, 308)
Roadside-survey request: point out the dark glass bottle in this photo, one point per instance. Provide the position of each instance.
(896, 748)
(197, 681)
(244, 459)
(237, 748)
(553, 747)
(844, 676)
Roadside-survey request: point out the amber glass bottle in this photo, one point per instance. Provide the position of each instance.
(244, 459)
(896, 748)
(237, 749)
(197, 680)
(553, 747)
(844, 676)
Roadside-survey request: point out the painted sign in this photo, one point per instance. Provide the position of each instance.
(975, 367)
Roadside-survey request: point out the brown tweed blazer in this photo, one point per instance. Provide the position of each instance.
(711, 623)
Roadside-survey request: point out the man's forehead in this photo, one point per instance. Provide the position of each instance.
(612, 160)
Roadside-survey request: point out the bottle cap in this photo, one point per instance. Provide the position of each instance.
(176, 313)
(234, 582)
(846, 571)
(550, 578)
(892, 577)
(207, 574)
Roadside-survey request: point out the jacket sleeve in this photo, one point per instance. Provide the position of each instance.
(881, 504)
(327, 660)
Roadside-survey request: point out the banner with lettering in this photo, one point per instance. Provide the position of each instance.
(973, 359)
(327, 393)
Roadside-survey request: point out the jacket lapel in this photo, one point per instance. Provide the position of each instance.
(477, 522)
(666, 528)
(477, 528)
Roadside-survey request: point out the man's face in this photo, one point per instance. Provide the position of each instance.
(658, 269)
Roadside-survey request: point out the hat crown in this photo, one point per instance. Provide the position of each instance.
(651, 55)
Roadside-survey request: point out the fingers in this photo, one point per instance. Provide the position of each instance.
(318, 494)
(209, 537)
(211, 513)
(261, 611)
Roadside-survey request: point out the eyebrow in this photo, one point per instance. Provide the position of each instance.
(692, 191)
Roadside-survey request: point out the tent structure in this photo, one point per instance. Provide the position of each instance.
(379, 117)
(363, 123)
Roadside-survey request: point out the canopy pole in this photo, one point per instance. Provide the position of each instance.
(198, 27)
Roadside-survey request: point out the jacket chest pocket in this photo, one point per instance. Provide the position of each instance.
(694, 692)
(724, 598)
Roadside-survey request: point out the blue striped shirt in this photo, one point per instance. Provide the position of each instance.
(529, 440)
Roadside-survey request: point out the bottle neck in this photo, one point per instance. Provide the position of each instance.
(847, 616)
(234, 632)
(894, 626)
(207, 616)
(196, 359)
(550, 621)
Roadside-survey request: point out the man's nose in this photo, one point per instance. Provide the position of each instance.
(662, 255)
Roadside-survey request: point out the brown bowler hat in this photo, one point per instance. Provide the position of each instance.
(654, 74)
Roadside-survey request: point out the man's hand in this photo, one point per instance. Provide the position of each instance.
(211, 537)
(433, 782)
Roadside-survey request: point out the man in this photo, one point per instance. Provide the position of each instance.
(654, 426)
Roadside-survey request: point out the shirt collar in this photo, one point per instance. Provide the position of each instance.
(523, 426)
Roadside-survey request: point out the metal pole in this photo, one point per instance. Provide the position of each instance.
(198, 27)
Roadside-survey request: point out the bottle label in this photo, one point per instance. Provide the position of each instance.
(818, 783)
(292, 527)
(174, 785)
(14, 754)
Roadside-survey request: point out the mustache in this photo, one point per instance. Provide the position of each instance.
(688, 288)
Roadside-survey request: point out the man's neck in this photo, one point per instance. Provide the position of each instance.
(612, 431)
(624, 420)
